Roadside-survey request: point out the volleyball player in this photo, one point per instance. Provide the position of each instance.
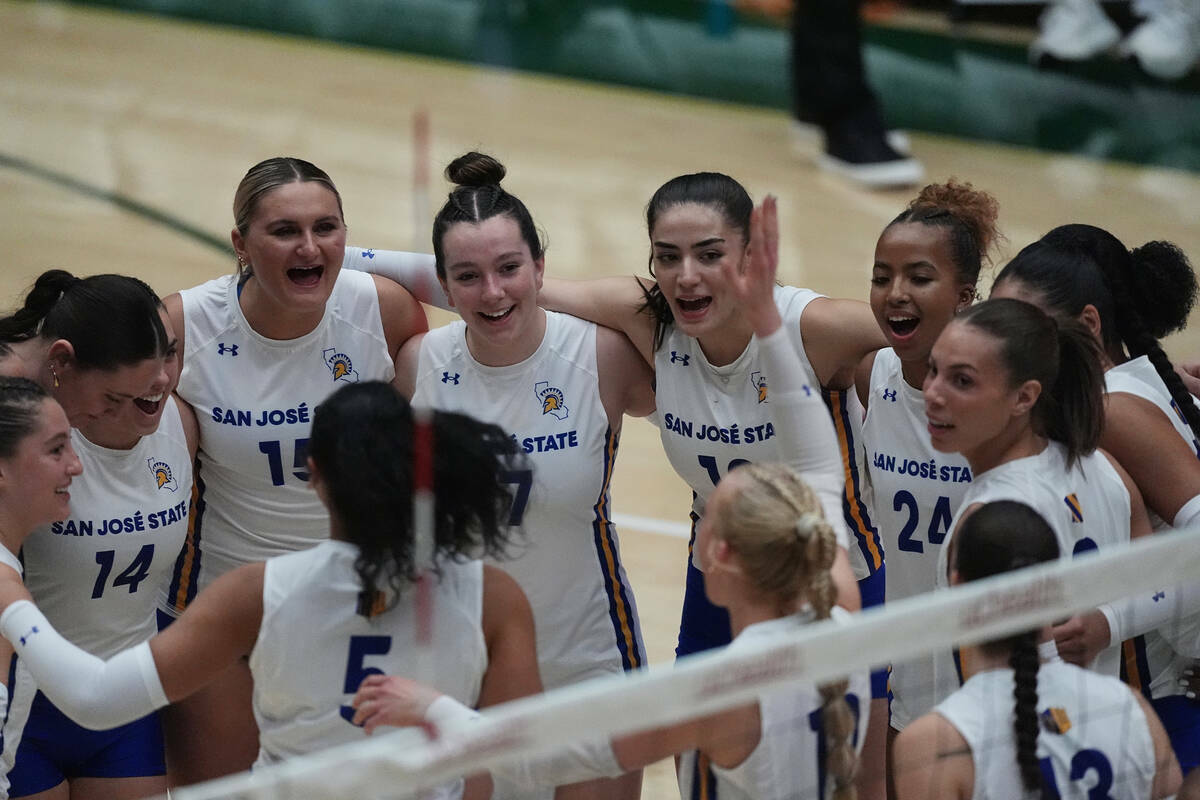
(97, 570)
(560, 386)
(359, 584)
(1020, 396)
(1127, 299)
(766, 551)
(1021, 725)
(37, 465)
(927, 262)
(262, 348)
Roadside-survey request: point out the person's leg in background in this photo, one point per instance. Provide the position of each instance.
(830, 91)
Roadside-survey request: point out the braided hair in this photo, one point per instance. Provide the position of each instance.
(1000, 537)
(1140, 295)
(786, 547)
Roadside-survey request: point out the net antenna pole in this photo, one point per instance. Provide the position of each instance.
(423, 539)
(423, 498)
(422, 218)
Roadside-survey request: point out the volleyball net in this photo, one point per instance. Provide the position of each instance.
(396, 765)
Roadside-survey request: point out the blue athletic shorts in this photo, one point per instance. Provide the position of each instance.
(871, 589)
(1181, 717)
(703, 625)
(54, 749)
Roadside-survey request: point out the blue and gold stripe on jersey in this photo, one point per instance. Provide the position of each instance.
(1135, 667)
(857, 516)
(621, 609)
(185, 576)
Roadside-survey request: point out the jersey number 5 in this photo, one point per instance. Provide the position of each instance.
(356, 672)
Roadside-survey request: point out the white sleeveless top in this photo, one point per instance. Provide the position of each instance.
(712, 419)
(1087, 507)
(97, 574)
(917, 491)
(1092, 728)
(1150, 662)
(787, 762)
(254, 399)
(314, 648)
(567, 561)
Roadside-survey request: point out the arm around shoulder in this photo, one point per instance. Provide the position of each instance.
(612, 302)
(218, 628)
(837, 335)
(402, 315)
(407, 362)
(626, 381)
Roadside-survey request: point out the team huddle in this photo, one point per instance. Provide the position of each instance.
(207, 501)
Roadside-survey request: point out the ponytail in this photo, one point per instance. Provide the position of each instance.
(1074, 411)
(110, 320)
(1024, 661)
(1062, 356)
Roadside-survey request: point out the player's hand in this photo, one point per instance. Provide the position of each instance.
(1189, 371)
(754, 285)
(1081, 638)
(394, 701)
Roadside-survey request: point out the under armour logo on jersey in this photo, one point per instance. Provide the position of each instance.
(552, 399)
(223, 349)
(1076, 510)
(759, 382)
(680, 357)
(448, 378)
(1158, 596)
(340, 365)
(889, 394)
(31, 633)
(368, 253)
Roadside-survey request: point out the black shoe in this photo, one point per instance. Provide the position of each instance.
(857, 147)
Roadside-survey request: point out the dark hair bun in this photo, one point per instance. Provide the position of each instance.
(1164, 287)
(475, 169)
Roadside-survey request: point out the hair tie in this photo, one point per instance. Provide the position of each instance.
(806, 525)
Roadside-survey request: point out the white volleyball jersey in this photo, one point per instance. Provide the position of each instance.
(787, 763)
(1093, 737)
(1150, 663)
(314, 648)
(917, 492)
(1086, 506)
(20, 696)
(254, 399)
(98, 573)
(712, 419)
(566, 560)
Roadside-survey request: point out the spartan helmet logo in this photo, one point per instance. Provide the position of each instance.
(340, 366)
(551, 399)
(163, 477)
(759, 382)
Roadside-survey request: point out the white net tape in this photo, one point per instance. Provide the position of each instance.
(707, 683)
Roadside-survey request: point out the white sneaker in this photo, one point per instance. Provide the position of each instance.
(1074, 30)
(1167, 44)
